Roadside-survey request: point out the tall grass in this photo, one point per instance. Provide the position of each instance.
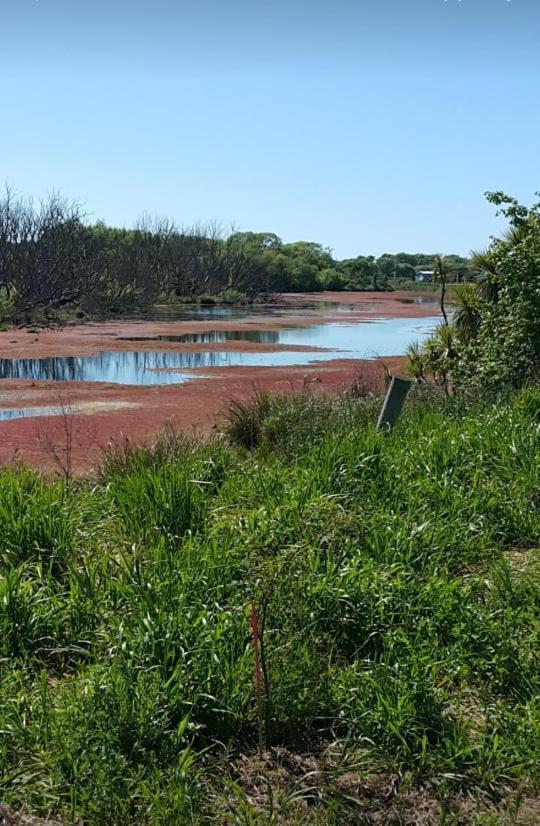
(396, 579)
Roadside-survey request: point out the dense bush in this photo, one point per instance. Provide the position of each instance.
(493, 339)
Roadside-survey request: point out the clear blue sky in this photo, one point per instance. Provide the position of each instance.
(367, 125)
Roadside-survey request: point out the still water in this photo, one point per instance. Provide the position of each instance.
(190, 312)
(381, 337)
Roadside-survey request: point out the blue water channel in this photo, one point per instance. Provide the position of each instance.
(354, 340)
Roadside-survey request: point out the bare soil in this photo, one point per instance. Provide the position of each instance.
(293, 788)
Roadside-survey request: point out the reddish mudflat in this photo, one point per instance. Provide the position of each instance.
(105, 413)
(398, 304)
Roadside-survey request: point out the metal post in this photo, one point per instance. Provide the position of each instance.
(393, 403)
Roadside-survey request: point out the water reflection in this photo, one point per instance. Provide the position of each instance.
(28, 412)
(183, 312)
(418, 299)
(213, 337)
(137, 368)
(383, 337)
(186, 312)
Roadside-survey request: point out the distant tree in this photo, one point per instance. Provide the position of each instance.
(257, 241)
(310, 252)
(387, 265)
(361, 271)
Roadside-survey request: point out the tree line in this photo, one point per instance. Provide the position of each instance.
(53, 258)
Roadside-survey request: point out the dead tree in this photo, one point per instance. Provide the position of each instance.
(49, 258)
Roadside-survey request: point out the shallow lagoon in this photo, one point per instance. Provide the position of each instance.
(359, 340)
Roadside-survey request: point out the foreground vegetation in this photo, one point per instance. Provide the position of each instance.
(53, 260)
(396, 584)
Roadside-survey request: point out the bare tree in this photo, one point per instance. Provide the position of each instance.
(211, 258)
(51, 258)
(48, 257)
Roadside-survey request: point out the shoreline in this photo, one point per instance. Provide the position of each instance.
(105, 414)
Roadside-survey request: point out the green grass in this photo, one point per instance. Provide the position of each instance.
(397, 585)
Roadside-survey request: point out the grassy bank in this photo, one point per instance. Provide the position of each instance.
(396, 583)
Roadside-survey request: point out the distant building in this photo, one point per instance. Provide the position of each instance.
(425, 276)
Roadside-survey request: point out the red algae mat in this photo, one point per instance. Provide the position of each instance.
(98, 414)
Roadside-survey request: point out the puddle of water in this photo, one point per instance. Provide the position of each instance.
(368, 337)
(384, 337)
(419, 299)
(28, 412)
(86, 407)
